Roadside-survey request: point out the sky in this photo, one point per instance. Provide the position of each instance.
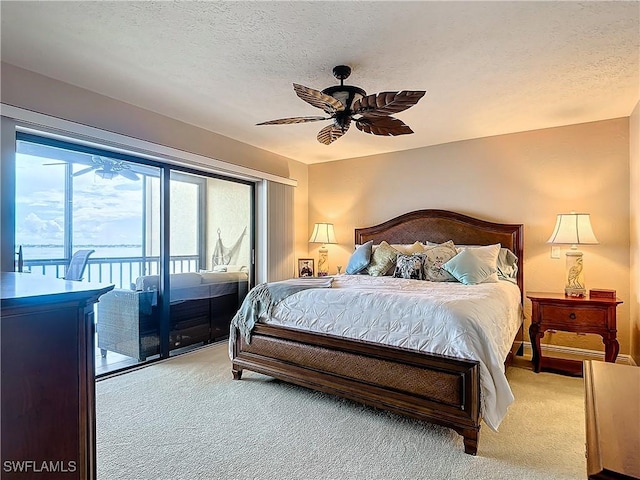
(105, 211)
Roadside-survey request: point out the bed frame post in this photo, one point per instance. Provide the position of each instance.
(236, 370)
(470, 438)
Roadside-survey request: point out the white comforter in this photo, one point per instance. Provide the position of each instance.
(475, 322)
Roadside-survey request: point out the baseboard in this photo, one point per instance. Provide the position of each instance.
(577, 353)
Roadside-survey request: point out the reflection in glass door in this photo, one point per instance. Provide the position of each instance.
(210, 221)
(70, 198)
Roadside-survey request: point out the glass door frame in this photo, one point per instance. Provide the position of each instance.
(8, 214)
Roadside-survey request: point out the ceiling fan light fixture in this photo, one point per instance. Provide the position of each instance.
(346, 94)
(106, 174)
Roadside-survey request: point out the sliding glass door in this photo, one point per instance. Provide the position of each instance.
(211, 244)
(177, 244)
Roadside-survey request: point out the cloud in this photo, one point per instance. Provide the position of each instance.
(34, 229)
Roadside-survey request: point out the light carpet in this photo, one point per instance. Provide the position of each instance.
(186, 418)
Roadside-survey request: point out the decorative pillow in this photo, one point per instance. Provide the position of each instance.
(382, 260)
(406, 248)
(507, 265)
(475, 265)
(490, 248)
(410, 266)
(409, 248)
(436, 256)
(359, 259)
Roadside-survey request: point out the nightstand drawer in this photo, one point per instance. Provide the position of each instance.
(573, 316)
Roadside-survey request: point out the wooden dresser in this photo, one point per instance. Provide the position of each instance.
(612, 406)
(48, 390)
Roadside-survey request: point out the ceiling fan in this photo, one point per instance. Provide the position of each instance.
(344, 103)
(106, 168)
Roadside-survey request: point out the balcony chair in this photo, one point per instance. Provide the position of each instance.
(77, 265)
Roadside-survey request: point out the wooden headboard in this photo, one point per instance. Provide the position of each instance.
(440, 226)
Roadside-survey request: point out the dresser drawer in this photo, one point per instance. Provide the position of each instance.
(573, 316)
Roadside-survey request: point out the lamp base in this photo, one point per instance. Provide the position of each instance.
(575, 292)
(323, 261)
(574, 285)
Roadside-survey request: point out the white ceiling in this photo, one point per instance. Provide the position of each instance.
(488, 67)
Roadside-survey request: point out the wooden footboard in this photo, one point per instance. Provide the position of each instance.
(435, 388)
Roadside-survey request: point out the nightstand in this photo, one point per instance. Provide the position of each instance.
(555, 311)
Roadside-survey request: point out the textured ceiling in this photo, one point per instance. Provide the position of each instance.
(488, 67)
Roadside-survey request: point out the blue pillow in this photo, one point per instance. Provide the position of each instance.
(360, 258)
(471, 266)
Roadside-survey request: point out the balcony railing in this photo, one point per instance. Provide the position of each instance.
(121, 271)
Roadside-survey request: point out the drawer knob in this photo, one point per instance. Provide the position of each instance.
(572, 316)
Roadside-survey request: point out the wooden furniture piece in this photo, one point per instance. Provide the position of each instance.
(48, 390)
(555, 311)
(443, 390)
(612, 408)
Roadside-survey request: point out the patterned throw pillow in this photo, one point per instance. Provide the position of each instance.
(410, 266)
(436, 256)
(382, 259)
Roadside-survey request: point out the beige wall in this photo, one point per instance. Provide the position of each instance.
(519, 178)
(634, 166)
(28, 90)
(25, 89)
(300, 172)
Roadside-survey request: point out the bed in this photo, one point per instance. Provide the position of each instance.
(437, 388)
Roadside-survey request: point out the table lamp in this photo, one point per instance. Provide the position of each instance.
(573, 229)
(323, 233)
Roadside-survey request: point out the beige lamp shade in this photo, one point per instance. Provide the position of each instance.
(323, 233)
(573, 229)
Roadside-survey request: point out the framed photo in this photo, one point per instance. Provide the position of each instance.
(306, 267)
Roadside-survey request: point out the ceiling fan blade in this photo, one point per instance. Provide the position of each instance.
(318, 99)
(387, 126)
(126, 173)
(83, 171)
(332, 132)
(386, 103)
(286, 121)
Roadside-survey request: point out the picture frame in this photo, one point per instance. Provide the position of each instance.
(306, 267)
